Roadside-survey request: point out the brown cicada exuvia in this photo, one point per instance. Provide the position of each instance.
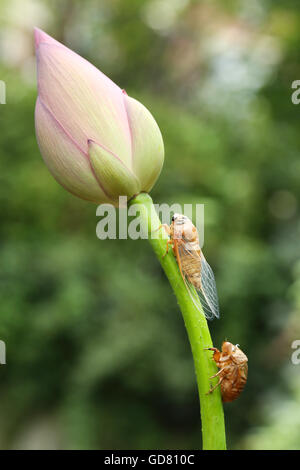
(233, 365)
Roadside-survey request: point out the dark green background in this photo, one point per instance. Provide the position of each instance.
(97, 353)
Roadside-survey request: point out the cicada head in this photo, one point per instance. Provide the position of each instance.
(177, 226)
(179, 219)
(183, 228)
(234, 351)
(227, 348)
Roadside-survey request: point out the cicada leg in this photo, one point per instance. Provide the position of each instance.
(221, 374)
(211, 349)
(165, 226)
(217, 374)
(214, 388)
(217, 354)
(169, 242)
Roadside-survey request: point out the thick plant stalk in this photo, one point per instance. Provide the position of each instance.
(212, 416)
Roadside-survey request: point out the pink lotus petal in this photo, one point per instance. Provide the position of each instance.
(83, 99)
(67, 163)
(147, 143)
(41, 36)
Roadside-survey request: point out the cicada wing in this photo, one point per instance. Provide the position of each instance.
(207, 294)
(183, 254)
(209, 289)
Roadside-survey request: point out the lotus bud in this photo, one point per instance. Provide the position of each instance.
(97, 142)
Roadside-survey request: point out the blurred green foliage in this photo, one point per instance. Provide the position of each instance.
(97, 354)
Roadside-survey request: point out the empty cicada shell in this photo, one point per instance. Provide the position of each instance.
(233, 365)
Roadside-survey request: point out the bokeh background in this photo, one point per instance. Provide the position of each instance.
(97, 353)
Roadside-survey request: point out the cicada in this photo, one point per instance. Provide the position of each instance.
(233, 365)
(195, 270)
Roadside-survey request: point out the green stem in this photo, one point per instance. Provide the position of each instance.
(212, 416)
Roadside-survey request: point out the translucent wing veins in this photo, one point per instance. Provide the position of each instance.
(207, 295)
(209, 289)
